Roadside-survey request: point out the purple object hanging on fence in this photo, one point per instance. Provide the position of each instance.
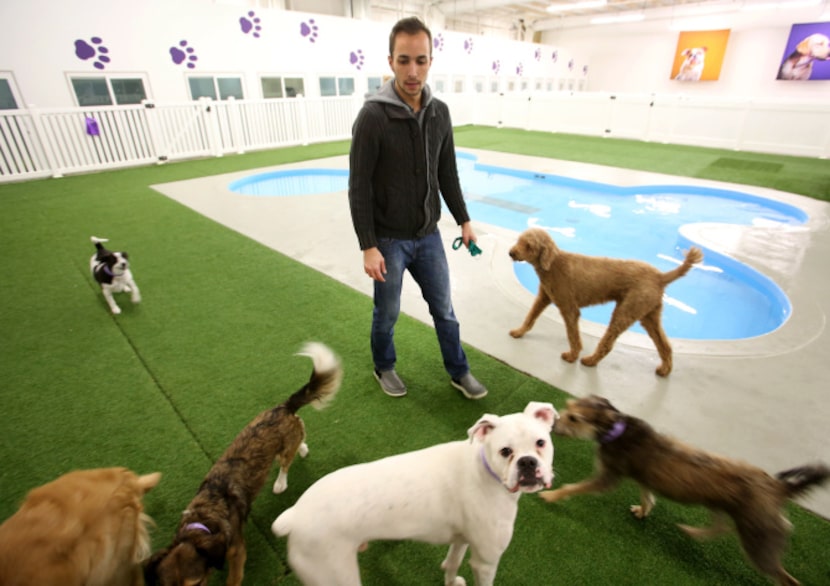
(92, 127)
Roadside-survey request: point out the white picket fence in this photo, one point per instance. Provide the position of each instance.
(37, 143)
(52, 143)
(769, 125)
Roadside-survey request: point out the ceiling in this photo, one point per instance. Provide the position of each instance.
(522, 19)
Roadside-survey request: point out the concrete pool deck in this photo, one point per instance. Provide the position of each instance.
(760, 399)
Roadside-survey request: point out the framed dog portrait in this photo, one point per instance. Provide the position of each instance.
(699, 55)
(807, 53)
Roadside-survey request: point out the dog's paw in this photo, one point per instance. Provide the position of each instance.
(303, 450)
(570, 356)
(663, 370)
(590, 361)
(116, 310)
(518, 332)
(281, 484)
(638, 511)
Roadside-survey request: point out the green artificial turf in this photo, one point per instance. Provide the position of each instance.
(167, 384)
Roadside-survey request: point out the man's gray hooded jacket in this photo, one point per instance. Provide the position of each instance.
(394, 181)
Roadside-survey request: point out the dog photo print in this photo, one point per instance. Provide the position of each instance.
(699, 55)
(807, 53)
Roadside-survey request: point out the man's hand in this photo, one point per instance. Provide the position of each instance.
(467, 234)
(374, 264)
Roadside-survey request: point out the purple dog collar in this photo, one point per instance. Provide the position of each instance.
(196, 527)
(614, 433)
(487, 466)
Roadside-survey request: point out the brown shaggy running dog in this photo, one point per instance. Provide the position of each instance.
(571, 281)
(211, 528)
(630, 447)
(85, 528)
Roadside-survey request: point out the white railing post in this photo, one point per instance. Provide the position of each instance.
(45, 139)
(235, 127)
(302, 108)
(158, 144)
(210, 116)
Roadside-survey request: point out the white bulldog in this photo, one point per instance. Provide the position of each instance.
(464, 493)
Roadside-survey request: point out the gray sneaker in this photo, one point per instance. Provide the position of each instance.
(469, 386)
(391, 383)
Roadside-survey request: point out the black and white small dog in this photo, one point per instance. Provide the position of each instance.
(112, 271)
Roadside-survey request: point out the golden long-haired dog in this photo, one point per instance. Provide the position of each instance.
(630, 447)
(571, 281)
(211, 528)
(86, 528)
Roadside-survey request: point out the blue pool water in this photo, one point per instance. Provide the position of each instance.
(721, 299)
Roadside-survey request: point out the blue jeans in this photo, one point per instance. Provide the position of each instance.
(426, 261)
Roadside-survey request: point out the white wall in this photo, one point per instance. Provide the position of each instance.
(37, 47)
(638, 57)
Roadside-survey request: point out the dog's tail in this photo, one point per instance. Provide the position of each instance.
(693, 256)
(325, 378)
(282, 524)
(98, 241)
(799, 480)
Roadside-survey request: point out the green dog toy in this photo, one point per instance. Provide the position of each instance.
(474, 249)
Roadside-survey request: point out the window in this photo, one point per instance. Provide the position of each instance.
(7, 99)
(336, 86)
(282, 87)
(375, 83)
(345, 86)
(230, 87)
(271, 87)
(202, 87)
(128, 91)
(214, 88)
(108, 90)
(294, 86)
(328, 86)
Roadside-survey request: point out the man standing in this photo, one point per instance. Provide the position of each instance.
(402, 160)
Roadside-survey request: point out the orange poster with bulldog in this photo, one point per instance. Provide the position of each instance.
(699, 55)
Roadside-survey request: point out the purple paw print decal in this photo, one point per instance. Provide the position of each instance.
(584, 70)
(93, 49)
(309, 30)
(356, 58)
(520, 69)
(496, 66)
(184, 54)
(538, 55)
(468, 45)
(571, 65)
(250, 24)
(438, 42)
(554, 56)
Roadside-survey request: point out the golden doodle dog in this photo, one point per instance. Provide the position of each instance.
(211, 528)
(630, 448)
(571, 281)
(86, 528)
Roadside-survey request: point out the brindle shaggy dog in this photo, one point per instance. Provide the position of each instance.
(629, 447)
(87, 527)
(211, 528)
(571, 281)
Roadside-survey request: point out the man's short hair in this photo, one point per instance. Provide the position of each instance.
(411, 26)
